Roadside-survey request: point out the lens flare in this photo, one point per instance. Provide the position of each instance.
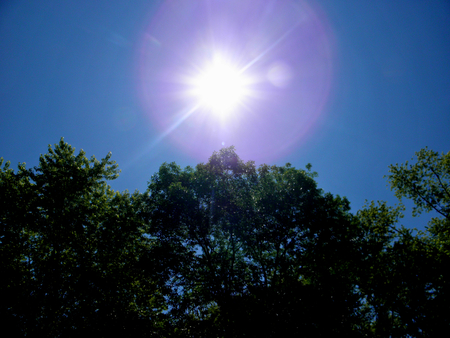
(256, 75)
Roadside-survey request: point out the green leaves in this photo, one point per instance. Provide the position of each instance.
(222, 249)
(233, 234)
(404, 276)
(426, 182)
(74, 248)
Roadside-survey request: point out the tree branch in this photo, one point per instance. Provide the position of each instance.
(427, 202)
(442, 185)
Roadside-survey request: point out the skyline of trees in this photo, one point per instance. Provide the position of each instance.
(224, 249)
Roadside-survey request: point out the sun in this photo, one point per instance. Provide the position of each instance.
(220, 87)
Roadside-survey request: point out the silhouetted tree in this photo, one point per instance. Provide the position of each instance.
(263, 251)
(71, 249)
(405, 277)
(224, 249)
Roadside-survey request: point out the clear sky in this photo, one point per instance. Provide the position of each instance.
(348, 86)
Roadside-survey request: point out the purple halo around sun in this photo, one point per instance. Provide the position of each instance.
(252, 74)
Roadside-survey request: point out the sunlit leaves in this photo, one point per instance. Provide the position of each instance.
(426, 182)
(405, 276)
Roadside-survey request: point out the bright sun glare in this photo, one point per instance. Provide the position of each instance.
(220, 87)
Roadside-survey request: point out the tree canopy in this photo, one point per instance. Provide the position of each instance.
(225, 249)
(70, 248)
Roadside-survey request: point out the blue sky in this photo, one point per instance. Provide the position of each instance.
(348, 86)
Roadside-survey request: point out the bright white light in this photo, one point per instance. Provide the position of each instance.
(220, 87)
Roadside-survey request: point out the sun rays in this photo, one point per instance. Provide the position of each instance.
(220, 87)
(229, 73)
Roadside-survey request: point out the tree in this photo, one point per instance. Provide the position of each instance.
(15, 195)
(264, 252)
(427, 183)
(254, 252)
(224, 249)
(405, 277)
(72, 249)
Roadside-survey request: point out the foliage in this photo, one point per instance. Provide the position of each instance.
(427, 183)
(259, 250)
(72, 248)
(225, 249)
(405, 279)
